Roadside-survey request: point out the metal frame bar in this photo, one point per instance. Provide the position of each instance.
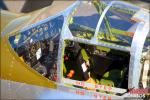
(136, 53)
(101, 19)
(64, 33)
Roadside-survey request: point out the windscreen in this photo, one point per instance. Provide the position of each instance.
(38, 46)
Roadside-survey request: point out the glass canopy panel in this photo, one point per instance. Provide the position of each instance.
(38, 46)
(119, 25)
(147, 43)
(84, 19)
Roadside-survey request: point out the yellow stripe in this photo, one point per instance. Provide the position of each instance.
(12, 68)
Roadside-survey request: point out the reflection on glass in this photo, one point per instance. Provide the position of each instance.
(84, 20)
(117, 26)
(38, 46)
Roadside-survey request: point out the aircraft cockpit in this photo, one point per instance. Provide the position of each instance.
(90, 45)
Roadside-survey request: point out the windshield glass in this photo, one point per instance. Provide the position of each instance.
(38, 46)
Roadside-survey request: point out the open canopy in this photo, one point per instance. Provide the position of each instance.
(114, 25)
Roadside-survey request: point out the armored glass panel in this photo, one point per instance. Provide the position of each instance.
(84, 19)
(38, 46)
(119, 24)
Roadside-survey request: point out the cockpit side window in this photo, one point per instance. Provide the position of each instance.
(38, 46)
